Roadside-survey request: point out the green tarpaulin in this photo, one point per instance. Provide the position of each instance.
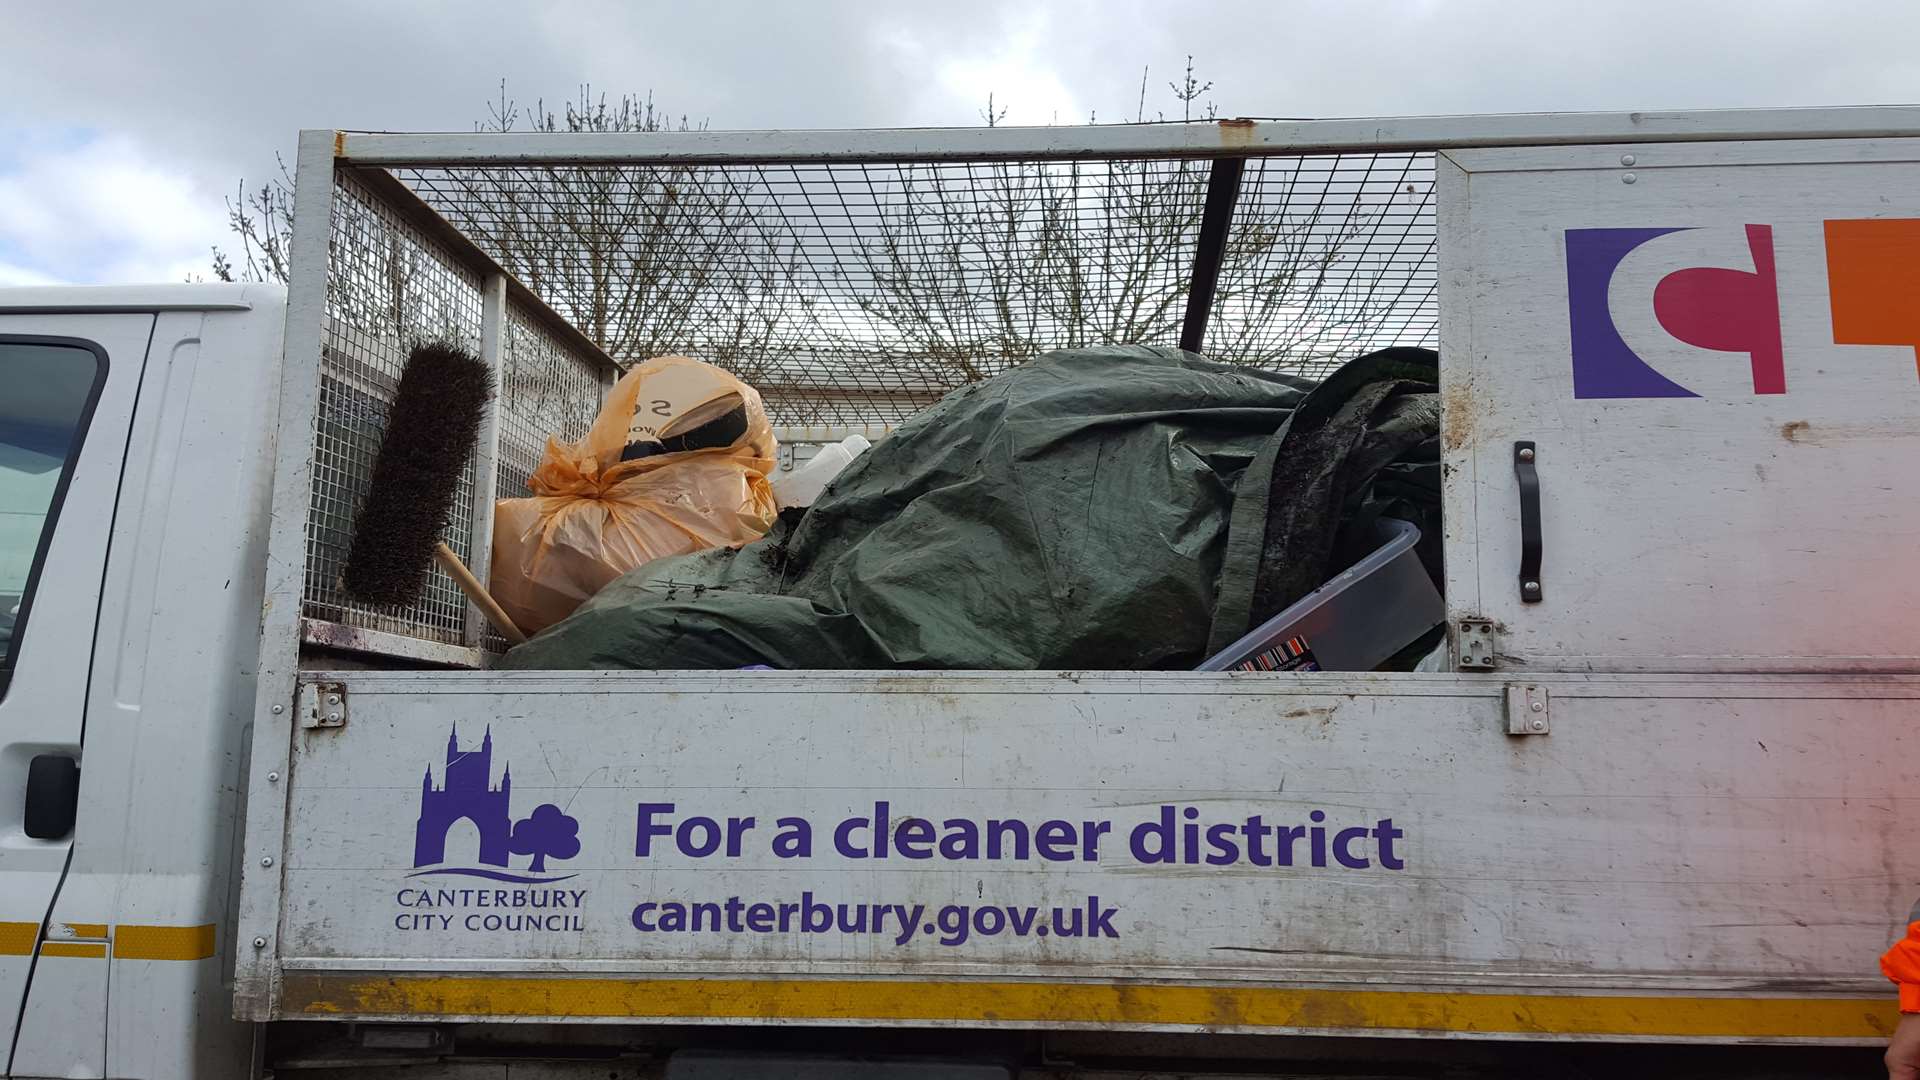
(1110, 508)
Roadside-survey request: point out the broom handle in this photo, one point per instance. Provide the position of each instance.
(477, 592)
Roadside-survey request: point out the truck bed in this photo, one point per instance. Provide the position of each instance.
(1659, 798)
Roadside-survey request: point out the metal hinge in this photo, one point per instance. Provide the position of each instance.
(1474, 640)
(323, 705)
(1527, 710)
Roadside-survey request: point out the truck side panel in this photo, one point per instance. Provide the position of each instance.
(1710, 349)
(1710, 857)
(175, 703)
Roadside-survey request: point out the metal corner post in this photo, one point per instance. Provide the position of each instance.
(1216, 222)
(298, 400)
(486, 452)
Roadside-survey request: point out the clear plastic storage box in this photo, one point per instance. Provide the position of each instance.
(1355, 622)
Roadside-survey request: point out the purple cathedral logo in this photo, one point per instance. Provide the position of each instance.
(467, 794)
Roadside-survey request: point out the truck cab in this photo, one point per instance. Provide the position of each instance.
(134, 488)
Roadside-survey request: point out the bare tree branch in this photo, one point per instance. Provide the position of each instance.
(263, 220)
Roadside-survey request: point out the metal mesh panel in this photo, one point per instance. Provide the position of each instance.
(546, 389)
(854, 294)
(388, 287)
(1329, 257)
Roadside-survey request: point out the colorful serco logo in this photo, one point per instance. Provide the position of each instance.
(467, 794)
(1873, 281)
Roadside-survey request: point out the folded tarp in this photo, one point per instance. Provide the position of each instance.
(1117, 508)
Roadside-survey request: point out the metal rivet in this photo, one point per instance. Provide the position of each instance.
(1537, 707)
(333, 699)
(333, 716)
(1526, 455)
(1539, 725)
(259, 943)
(273, 778)
(268, 861)
(278, 709)
(1626, 159)
(1531, 586)
(1628, 178)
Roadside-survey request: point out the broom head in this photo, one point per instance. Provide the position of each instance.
(431, 428)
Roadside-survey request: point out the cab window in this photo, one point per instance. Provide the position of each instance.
(49, 391)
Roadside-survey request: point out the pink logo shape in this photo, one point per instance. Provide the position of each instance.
(1726, 310)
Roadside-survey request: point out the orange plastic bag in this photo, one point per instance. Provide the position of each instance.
(676, 461)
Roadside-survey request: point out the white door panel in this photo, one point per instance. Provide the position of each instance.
(60, 467)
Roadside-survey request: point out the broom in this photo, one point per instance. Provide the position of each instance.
(431, 429)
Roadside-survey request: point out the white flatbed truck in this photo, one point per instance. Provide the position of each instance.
(1661, 793)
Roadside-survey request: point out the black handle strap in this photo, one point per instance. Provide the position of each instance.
(722, 430)
(1530, 545)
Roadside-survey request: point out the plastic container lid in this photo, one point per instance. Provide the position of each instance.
(1355, 622)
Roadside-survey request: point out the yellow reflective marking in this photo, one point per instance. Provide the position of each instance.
(129, 942)
(17, 938)
(163, 942)
(1231, 1007)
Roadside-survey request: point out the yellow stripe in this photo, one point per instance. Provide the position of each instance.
(1118, 1004)
(163, 942)
(17, 938)
(129, 942)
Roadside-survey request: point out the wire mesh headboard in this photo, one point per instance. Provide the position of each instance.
(851, 291)
(855, 293)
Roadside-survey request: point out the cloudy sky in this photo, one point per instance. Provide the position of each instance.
(124, 124)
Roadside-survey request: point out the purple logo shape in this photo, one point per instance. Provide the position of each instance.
(1709, 307)
(467, 794)
(547, 831)
(1603, 365)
